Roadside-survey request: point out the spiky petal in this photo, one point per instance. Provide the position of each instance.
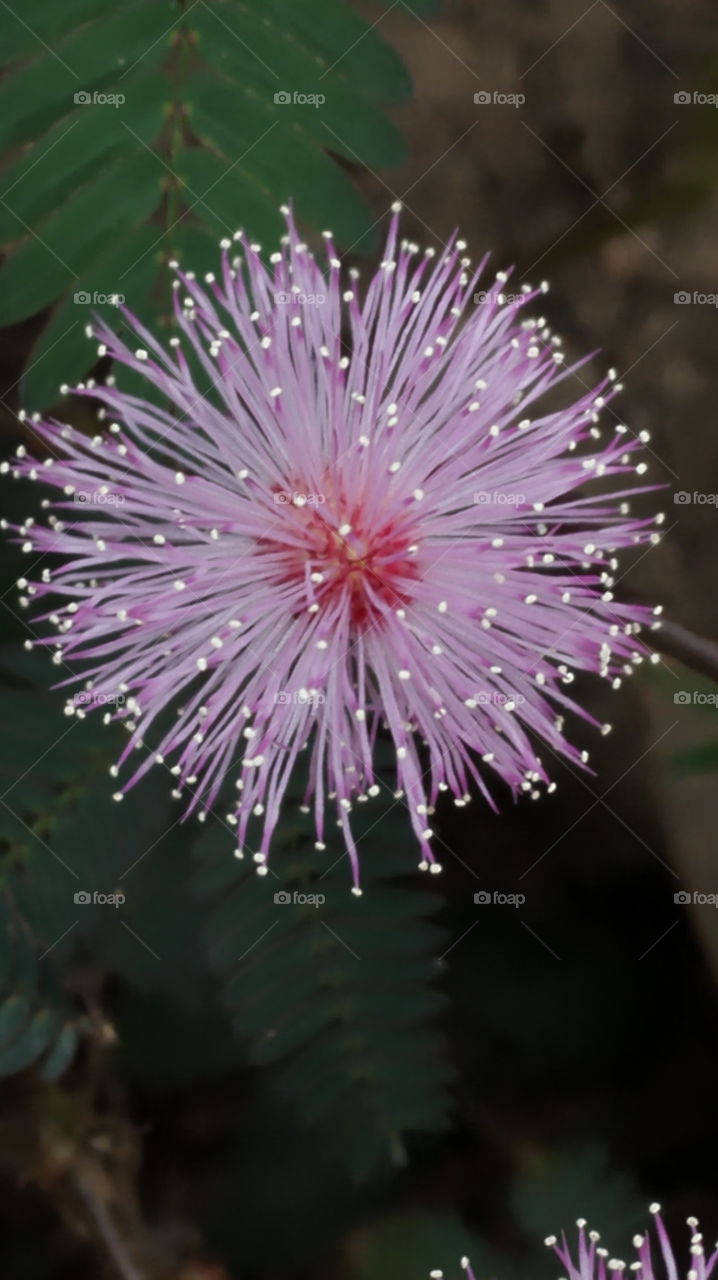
(320, 535)
(593, 1262)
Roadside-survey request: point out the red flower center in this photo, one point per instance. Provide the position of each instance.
(368, 569)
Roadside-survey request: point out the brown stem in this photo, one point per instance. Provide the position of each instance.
(106, 1229)
(693, 650)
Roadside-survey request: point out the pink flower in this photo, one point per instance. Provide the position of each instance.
(595, 1263)
(322, 535)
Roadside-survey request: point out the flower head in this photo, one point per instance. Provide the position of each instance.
(595, 1263)
(353, 511)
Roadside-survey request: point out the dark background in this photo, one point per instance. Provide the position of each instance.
(580, 1029)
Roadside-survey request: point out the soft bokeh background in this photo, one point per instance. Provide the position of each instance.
(576, 1035)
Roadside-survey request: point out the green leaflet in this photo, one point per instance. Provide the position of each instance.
(337, 997)
(355, 130)
(316, 45)
(70, 153)
(125, 265)
(61, 1053)
(50, 21)
(64, 846)
(35, 1018)
(303, 173)
(105, 57)
(30, 1043)
(203, 142)
(54, 257)
(217, 192)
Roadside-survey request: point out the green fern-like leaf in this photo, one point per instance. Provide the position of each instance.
(37, 1024)
(337, 997)
(63, 841)
(140, 132)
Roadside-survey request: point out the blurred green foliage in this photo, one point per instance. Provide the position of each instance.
(306, 1076)
(137, 133)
